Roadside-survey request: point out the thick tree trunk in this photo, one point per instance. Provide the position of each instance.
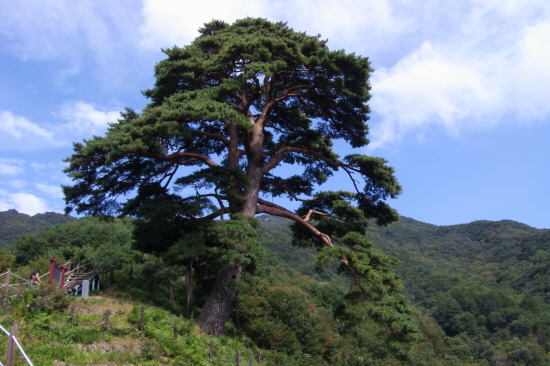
(218, 305)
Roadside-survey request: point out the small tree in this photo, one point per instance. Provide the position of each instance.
(228, 112)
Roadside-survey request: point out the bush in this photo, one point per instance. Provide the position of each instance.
(45, 298)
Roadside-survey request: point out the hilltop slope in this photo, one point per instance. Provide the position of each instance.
(13, 224)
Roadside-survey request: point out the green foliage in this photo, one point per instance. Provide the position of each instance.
(85, 240)
(7, 258)
(14, 224)
(236, 240)
(31, 302)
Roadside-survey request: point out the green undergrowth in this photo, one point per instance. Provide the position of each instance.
(43, 330)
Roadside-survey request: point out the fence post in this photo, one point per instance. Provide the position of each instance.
(7, 286)
(71, 313)
(175, 332)
(141, 327)
(52, 268)
(211, 350)
(171, 296)
(11, 346)
(106, 318)
(250, 359)
(62, 268)
(237, 358)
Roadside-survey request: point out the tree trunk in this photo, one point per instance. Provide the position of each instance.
(189, 286)
(218, 305)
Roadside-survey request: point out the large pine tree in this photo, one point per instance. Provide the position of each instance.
(228, 113)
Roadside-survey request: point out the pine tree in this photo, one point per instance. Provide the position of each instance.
(228, 112)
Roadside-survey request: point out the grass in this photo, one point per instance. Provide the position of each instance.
(48, 338)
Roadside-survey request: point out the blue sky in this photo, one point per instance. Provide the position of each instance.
(461, 91)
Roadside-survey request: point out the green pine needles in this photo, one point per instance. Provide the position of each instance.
(227, 114)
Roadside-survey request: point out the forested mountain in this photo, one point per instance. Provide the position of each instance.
(480, 289)
(500, 253)
(486, 283)
(13, 224)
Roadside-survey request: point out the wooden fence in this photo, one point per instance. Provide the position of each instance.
(12, 343)
(237, 358)
(68, 275)
(105, 323)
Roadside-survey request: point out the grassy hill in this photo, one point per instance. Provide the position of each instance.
(48, 338)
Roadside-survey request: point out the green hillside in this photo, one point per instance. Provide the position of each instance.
(479, 290)
(486, 283)
(13, 224)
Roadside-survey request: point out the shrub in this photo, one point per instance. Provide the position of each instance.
(46, 298)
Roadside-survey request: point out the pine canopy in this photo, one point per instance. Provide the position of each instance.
(228, 114)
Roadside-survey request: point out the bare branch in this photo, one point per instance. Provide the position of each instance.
(353, 180)
(308, 216)
(276, 210)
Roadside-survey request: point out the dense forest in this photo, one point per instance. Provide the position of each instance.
(479, 291)
(13, 224)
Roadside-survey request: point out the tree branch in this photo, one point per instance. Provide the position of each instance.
(280, 154)
(276, 210)
(176, 156)
(215, 136)
(284, 187)
(308, 216)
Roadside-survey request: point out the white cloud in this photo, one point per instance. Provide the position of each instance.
(51, 190)
(50, 29)
(347, 24)
(475, 78)
(84, 120)
(529, 73)
(16, 183)
(38, 166)
(87, 38)
(17, 127)
(11, 166)
(175, 22)
(18, 133)
(26, 203)
(428, 88)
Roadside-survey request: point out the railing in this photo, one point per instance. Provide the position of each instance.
(22, 281)
(12, 341)
(105, 324)
(67, 279)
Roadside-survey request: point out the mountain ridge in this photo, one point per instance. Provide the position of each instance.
(14, 224)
